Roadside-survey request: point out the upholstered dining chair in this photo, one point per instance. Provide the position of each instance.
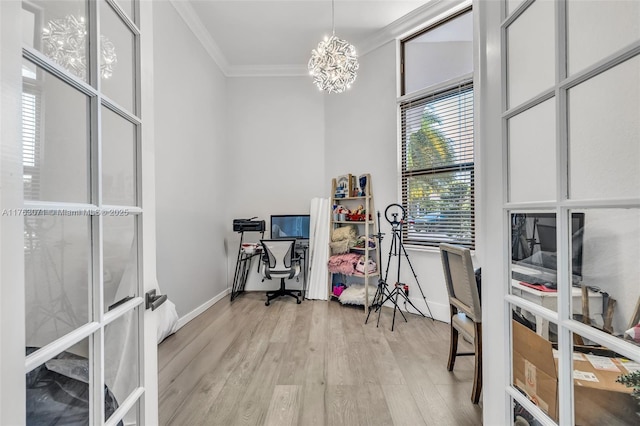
(279, 260)
(464, 303)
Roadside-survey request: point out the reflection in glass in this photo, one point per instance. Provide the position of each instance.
(610, 270)
(118, 159)
(604, 152)
(57, 276)
(120, 250)
(121, 367)
(120, 86)
(534, 370)
(600, 398)
(55, 122)
(534, 250)
(534, 265)
(58, 390)
(59, 30)
(521, 417)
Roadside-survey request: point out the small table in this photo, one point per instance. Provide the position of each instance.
(549, 300)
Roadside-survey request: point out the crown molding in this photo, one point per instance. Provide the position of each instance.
(416, 20)
(190, 17)
(268, 71)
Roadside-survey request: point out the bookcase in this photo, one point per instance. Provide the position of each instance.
(353, 251)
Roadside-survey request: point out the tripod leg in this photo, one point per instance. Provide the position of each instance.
(407, 300)
(396, 308)
(388, 296)
(399, 292)
(376, 300)
(406, 255)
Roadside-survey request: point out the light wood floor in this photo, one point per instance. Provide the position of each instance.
(316, 363)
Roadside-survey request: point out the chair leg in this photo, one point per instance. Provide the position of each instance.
(477, 378)
(453, 348)
(282, 291)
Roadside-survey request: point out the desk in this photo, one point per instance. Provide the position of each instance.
(549, 300)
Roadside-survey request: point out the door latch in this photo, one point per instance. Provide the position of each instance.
(151, 300)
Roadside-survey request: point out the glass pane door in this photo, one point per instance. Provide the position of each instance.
(573, 203)
(84, 307)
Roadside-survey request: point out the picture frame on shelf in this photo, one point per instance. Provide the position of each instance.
(362, 185)
(343, 186)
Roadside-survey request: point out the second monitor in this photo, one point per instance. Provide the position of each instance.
(290, 226)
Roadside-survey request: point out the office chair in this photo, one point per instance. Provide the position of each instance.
(279, 260)
(464, 303)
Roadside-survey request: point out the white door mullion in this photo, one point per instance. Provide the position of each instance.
(96, 410)
(565, 341)
(61, 208)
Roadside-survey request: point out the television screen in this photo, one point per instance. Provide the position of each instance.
(533, 243)
(290, 226)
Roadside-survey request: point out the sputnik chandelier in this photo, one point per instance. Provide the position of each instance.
(334, 63)
(63, 41)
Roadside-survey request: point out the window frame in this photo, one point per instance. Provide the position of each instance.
(460, 84)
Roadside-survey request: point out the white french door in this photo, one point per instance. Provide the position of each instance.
(76, 191)
(571, 208)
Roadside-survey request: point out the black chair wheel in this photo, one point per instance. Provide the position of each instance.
(266, 303)
(298, 301)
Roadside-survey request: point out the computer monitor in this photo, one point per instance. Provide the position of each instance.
(533, 243)
(290, 226)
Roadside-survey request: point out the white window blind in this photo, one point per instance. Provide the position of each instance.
(437, 167)
(31, 142)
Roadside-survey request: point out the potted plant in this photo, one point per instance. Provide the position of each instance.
(632, 380)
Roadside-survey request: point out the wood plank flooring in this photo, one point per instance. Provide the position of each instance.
(317, 363)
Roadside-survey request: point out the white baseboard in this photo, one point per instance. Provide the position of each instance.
(440, 311)
(200, 309)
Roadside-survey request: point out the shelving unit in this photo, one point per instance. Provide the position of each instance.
(351, 198)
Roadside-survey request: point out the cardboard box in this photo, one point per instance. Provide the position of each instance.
(534, 369)
(598, 398)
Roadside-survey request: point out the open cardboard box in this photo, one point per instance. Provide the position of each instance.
(599, 399)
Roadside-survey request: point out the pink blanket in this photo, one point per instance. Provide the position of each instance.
(343, 263)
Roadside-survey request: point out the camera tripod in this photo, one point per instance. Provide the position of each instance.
(399, 290)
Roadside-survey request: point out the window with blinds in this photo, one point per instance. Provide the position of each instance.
(31, 142)
(438, 168)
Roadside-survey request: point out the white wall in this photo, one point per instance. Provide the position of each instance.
(192, 167)
(276, 133)
(361, 127)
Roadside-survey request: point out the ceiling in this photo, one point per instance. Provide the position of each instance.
(245, 35)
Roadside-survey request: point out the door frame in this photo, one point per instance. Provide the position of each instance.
(12, 290)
